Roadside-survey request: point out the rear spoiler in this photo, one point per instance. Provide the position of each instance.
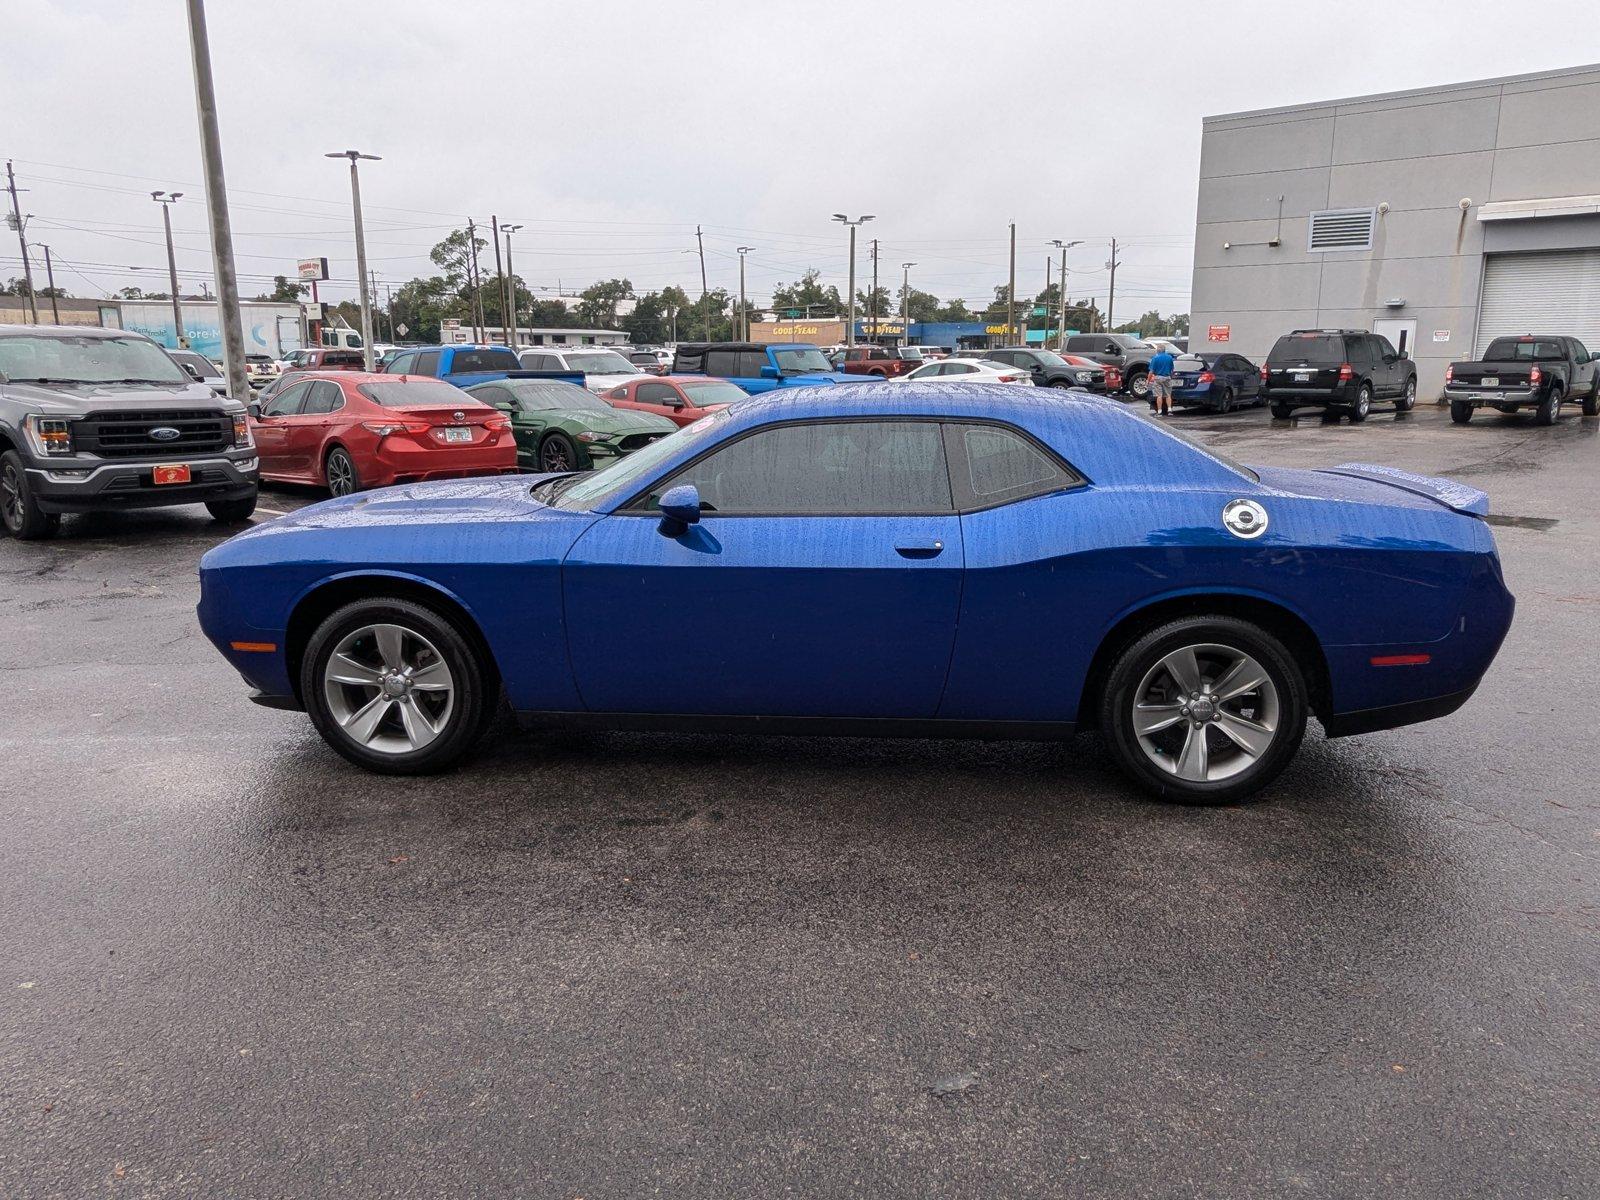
(576, 377)
(1456, 496)
(468, 378)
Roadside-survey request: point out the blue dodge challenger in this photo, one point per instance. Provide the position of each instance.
(918, 559)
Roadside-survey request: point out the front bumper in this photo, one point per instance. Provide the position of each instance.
(110, 486)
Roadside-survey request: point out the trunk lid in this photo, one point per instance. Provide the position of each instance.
(1371, 483)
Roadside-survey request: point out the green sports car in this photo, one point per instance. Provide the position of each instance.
(561, 427)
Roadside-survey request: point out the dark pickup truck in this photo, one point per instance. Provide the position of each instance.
(1540, 372)
(95, 420)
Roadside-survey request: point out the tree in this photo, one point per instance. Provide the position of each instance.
(956, 310)
(283, 290)
(923, 306)
(1153, 324)
(888, 303)
(453, 256)
(19, 287)
(807, 296)
(597, 307)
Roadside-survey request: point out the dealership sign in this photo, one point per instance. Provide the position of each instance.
(312, 269)
(1218, 333)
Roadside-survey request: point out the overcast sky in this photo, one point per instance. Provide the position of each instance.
(608, 128)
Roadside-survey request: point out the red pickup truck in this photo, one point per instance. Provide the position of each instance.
(880, 361)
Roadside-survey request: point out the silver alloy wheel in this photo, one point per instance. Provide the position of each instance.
(388, 688)
(1140, 386)
(1411, 394)
(1363, 402)
(1206, 712)
(341, 474)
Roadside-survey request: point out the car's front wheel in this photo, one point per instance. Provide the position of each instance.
(557, 453)
(1204, 710)
(19, 511)
(395, 687)
(231, 512)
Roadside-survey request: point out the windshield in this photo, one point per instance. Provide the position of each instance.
(413, 393)
(551, 395)
(601, 364)
(1520, 350)
(1131, 342)
(713, 392)
(87, 360)
(623, 476)
(800, 362)
(1051, 358)
(1313, 349)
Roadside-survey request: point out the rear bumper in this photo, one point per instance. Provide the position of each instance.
(1309, 397)
(112, 486)
(1490, 398)
(1392, 716)
(398, 460)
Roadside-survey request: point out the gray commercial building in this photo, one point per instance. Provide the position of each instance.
(1440, 217)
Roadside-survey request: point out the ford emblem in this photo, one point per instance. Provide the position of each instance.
(165, 433)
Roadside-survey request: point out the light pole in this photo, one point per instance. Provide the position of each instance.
(1061, 326)
(850, 326)
(511, 281)
(905, 302)
(361, 247)
(744, 316)
(167, 200)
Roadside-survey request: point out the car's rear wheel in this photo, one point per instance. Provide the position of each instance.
(340, 472)
(1226, 404)
(1549, 410)
(1362, 406)
(1460, 412)
(1408, 398)
(1204, 710)
(395, 687)
(1282, 411)
(557, 453)
(232, 511)
(19, 511)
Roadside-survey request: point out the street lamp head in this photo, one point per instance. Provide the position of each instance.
(745, 249)
(840, 217)
(352, 155)
(867, 217)
(509, 228)
(907, 266)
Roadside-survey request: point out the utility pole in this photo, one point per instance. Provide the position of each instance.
(1111, 297)
(742, 330)
(1061, 327)
(499, 273)
(32, 301)
(478, 334)
(50, 277)
(850, 327)
(705, 292)
(217, 208)
(167, 200)
(872, 304)
(905, 300)
(1011, 290)
(361, 248)
(511, 284)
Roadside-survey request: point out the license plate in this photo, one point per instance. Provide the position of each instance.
(458, 433)
(178, 473)
(1302, 376)
(1490, 381)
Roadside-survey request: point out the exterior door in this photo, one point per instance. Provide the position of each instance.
(308, 429)
(822, 580)
(271, 428)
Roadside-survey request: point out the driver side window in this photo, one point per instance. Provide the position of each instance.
(288, 402)
(844, 468)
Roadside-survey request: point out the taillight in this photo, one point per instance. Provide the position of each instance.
(385, 428)
(1345, 373)
(1449, 373)
(498, 424)
(1263, 373)
(1206, 377)
(1535, 375)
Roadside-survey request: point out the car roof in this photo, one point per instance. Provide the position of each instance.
(66, 331)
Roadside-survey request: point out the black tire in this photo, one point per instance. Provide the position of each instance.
(475, 695)
(1137, 660)
(19, 511)
(557, 453)
(1460, 412)
(1226, 405)
(232, 512)
(1059, 383)
(1408, 396)
(1138, 384)
(340, 474)
(1282, 411)
(1549, 410)
(1591, 402)
(1363, 406)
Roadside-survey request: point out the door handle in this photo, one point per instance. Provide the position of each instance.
(928, 549)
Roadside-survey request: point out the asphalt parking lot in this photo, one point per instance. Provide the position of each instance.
(626, 965)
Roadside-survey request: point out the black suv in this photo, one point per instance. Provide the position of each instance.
(1049, 369)
(97, 419)
(1342, 371)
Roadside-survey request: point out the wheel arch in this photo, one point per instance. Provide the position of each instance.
(6, 441)
(322, 599)
(1276, 618)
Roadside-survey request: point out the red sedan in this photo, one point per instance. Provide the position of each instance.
(681, 399)
(348, 430)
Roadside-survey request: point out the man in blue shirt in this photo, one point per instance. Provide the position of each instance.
(1160, 381)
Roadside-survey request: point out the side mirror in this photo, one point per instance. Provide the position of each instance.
(675, 402)
(770, 372)
(255, 409)
(680, 508)
(192, 371)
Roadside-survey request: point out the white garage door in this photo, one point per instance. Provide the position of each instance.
(1554, 292)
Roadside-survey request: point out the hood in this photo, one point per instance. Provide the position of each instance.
(817, 377)
(441, 502)
(73, 399)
